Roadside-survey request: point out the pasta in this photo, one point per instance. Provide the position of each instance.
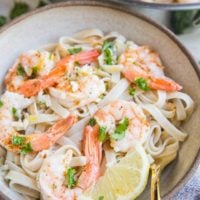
(57, 96)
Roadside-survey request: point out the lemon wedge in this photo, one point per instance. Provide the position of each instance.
(123, 181)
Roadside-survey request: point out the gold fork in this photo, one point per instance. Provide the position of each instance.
(155, 185)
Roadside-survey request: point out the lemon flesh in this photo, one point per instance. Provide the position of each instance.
(123, 181)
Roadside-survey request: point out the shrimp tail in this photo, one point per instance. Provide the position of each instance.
(83, 57)
(164, 84)
(93, 151)
(40, 141)
(86, 57)
(34, 86)
(44, 141)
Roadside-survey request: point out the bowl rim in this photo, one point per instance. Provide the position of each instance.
(163, 6)
(125, 9)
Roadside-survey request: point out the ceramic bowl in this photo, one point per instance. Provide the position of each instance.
(163, 6)
(48, 24)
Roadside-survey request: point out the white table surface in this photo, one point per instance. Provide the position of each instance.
(191, 191)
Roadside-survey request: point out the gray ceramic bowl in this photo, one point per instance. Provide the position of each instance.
(164, 6)
(48, 24)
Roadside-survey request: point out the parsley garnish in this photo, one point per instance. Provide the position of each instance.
(74, 50)
(142, 83)
(102, 133)
(20, 70)
(18, 140)
(70, 177)
(120, 129)
(26, 148)
(131, 92)
(14, 113)
(1, 103)
(19, 9)
(108, 52)
(34, 71)
(92, 122)
(101, 198)
(2, 20)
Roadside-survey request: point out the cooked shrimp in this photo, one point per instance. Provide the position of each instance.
(124, 122)
(52, 176)
(143, 62)
(16, 142)
(81, 91)
(29, 65)
(31, 87)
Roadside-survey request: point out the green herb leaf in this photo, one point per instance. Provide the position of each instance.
(101, 198)
(131, 92)
(120, 129)
(107, 45)
(18, 140)
(3, 20)
(41, 4)
(102, 133)
(92, 122)
(142, 83)
(14, 113)
(1, 103)
(74, 50)
(19, 9)
(26, 148)
(70, 177)
(20, 70)
(107, 49)
(181, 20)
(34, 71)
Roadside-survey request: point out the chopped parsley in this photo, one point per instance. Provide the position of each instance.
(92, 122)
(74, 50)
(142, 83)
(34, 71)
(108, 52)
(119, 132)
(18, 140)
(102, 133)
(101, 198)
(26, 148)
(2, 20)
(1, 103)
(20, 70)
(14, 113)
(21, 141)
(70, 177)
(19, 9)
(131, 92)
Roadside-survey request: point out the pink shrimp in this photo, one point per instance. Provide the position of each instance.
(13, 141)
(31, 87)
(53, 182)
(143, 62)
(93, 151)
